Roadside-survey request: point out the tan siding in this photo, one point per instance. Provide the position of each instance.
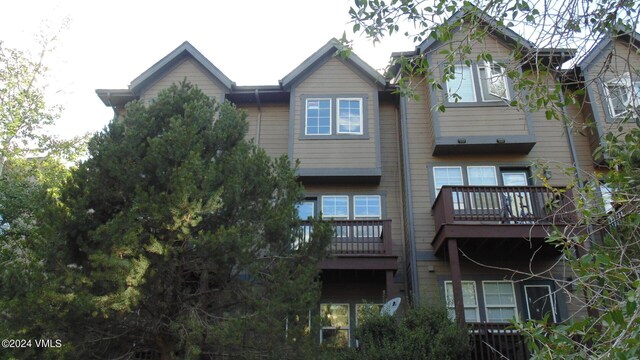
(274, 128)
(486, 121)
(622, 60)
(335, 78)
(194, 73)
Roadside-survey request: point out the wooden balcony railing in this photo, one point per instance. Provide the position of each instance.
(357, 237)
(496, 341)
(503, 205)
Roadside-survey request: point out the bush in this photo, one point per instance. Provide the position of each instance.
(424, 332)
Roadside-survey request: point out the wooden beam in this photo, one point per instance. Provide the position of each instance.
(456, 280)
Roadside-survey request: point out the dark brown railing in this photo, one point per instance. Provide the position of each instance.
(357, 237)
(496, 341)
(503, 205)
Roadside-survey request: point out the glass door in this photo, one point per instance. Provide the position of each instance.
(517, 204)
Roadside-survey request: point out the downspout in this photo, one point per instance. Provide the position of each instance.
(259, 124)
(406, 173)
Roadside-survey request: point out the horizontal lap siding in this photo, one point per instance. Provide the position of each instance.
(485, 121)
(274, 128)
(194, 73)
(335, 78)
(608, 68)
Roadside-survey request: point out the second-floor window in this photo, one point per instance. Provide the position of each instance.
(318, 117)
(350, 116)
(483, 82)
(622, 93)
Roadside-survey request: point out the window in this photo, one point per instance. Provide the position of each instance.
(318, 117)
(483, 176)
(449, 175)
(350, 116)
(493, 82)
(499, 300)
(478, 83)
(622, 93)
(335, 207)
(335, 330)
(540, 302)
(469, 300)
(306, 209)
(461, 88)
(367, 207)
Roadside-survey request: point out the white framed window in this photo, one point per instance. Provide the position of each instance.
(449, 175)
(493, 82)
(367, 207)
(336, 327)
(318, 116)
(499, 301)
(540, 302)
(362, 309)
(469, 300)
(461, 88)
(350, 119)
(306, 209)
(335, 207)
(621, 93)
(483, 176)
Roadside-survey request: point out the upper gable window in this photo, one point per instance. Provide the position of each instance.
(622, 93)
(484, 82)
(350, 116)
(318, 117)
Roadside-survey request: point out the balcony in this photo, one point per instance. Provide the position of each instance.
(359, 244)
(500, 218)
(496, 341)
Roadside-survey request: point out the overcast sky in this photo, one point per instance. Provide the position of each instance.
(109, 43)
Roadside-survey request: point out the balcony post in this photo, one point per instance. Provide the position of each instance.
(386, 237)
(456, 280)
(447, 203)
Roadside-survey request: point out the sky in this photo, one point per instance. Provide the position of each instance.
(105, 45)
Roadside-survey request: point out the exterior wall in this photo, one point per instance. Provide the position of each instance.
(194, 73)
(462, 119)
(273, 134)
(617, 59)
(335, 78)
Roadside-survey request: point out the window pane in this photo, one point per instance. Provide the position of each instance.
(367, 206)
(461, 85)
(500, 314)
(349, 116)
(618, 98)
(335, 315)
(539, 302)
(335, 207)
(482, 175)
(493, 81)
(306, 209)
(469, 300)
(335, 338)
(318, 117)
(447, 175)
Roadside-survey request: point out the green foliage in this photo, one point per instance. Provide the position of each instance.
(424, 332)
(176, 237)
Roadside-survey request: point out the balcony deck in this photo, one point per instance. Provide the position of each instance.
(504, 218)
(360, 244)
(496, 341)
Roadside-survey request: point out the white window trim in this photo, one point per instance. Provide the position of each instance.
(487, 65)
(324, 216)
(475, 291)
(361, 132)
(348, 328)
(495, 174)
(623, 81)
(446, 167)
(487, 307)
(551, 295)
(355, 214)
(450, 97)
(306, 114)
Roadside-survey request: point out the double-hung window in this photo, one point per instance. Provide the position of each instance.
(350, 116)
(478, 83)
(469, 300)
(336, 207)
(367, 207)
(318, 117)
(483, 176)
(335, 330)
(621, 94)
(499, 301)
(449, 175)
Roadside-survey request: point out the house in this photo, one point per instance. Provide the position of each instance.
(443, 207)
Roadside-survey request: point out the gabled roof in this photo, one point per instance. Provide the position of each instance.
(174, 57)
(504, 33)
(324, 53)
(620, 32)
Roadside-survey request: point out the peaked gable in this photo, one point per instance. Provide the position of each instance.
(325, 53)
